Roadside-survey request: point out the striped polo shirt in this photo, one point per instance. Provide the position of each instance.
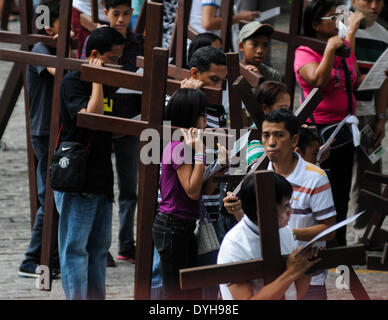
(311, 201)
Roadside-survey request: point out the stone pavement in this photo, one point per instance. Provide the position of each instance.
(15, 221)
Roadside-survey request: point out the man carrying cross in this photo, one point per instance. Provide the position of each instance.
(85, 218)
(312, 201)
(243, 243)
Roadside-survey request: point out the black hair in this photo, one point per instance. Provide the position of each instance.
(268, 92)
(306, 138)
(115, 3)
(201, 40)
(54, 7)
(205, 56)
(103, 39)
(291, 122)
(185, 107)
(313, 13)
(283, 190)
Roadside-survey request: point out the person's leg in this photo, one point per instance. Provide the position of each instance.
(127, 163)
(76, 218)
(316, 293)
(40, 146)
(98, 246)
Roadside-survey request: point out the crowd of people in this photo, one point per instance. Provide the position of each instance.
(312, 193)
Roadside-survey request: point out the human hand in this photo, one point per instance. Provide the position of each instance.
(335, 43)
(191, 83)
(354, 21)
(193, 139)
(379, 132)
(298, 262)
(223, 155)
(325, 155)
(251, 67)
(246, 15)
(96, 62)
(233, 205)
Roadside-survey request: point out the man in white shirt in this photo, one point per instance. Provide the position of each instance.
(243, 242)
(312, 200)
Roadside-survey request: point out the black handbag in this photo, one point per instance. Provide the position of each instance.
(68, 166)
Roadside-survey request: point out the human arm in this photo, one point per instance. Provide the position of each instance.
(210, 20)
(191, 177)
(96, 101)
(354, 23)
(297, 265)
(306, 234)
(233, 206)
(319, 74)
(87, 23)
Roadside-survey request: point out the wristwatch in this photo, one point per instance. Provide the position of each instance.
(381, 116)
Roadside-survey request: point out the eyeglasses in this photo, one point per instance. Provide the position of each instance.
(330, 18)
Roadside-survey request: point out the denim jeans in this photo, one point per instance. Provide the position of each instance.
(40, 145)
(127, 164)
(175, 241)
(84, 237)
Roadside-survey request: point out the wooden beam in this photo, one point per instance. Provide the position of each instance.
(192, 278)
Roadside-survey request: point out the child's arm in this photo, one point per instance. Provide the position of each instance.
(87, 23)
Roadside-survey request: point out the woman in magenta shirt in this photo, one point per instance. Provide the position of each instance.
(328, 71)
(181, 180)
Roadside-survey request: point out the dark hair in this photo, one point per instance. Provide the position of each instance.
(54, 7)
(283, 190)
(313, 13)
(306, 138)
(103, 39)
(291, 122)
(268, 92)
(201, 40)
(205, 56)
(185, 107)
(115, 3)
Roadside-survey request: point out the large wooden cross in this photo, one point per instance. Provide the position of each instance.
(377, 204)
(60, 63)
(14, 84)
(272, 263)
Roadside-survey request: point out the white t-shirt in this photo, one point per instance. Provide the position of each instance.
(85, 7)
(311, 201)
(242, 243)
(196, 14)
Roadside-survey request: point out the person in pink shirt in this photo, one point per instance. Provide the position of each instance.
(337, 76)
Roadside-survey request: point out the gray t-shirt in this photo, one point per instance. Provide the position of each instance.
(40, 85)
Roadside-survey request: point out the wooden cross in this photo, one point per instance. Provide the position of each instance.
(60, 63)
(272, 263)
(378, 205)
(14, 84)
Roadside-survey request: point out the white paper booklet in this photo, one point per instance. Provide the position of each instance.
(331, 229)
(268, 14)
(376, 76)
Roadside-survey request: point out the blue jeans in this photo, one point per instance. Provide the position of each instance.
(175, 241)
(84, 238)
(127, 164)
(40, 145)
